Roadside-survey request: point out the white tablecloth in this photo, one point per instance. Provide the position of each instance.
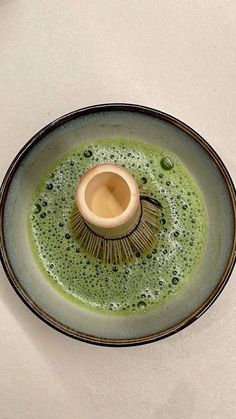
(177, 56)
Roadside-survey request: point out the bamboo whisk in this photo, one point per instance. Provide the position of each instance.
(112, 220)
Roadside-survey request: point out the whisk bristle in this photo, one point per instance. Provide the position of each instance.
(122, 249)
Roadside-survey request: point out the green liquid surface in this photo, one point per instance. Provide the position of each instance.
(147, 281)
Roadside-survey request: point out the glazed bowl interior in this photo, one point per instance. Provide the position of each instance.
(132, 123)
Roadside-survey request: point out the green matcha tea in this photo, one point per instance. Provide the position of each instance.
(147, 281)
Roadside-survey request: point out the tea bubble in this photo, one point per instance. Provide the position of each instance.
(141, 305)
(36, 208)
(167, 163)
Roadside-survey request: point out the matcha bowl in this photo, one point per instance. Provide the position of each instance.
(133, 123)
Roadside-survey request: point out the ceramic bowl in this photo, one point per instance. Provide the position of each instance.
(132, 122)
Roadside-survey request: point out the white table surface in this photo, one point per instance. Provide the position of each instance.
(178, 56)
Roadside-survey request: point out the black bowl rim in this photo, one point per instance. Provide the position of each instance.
(12, 277)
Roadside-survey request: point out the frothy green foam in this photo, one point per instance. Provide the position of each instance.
(151, 279)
